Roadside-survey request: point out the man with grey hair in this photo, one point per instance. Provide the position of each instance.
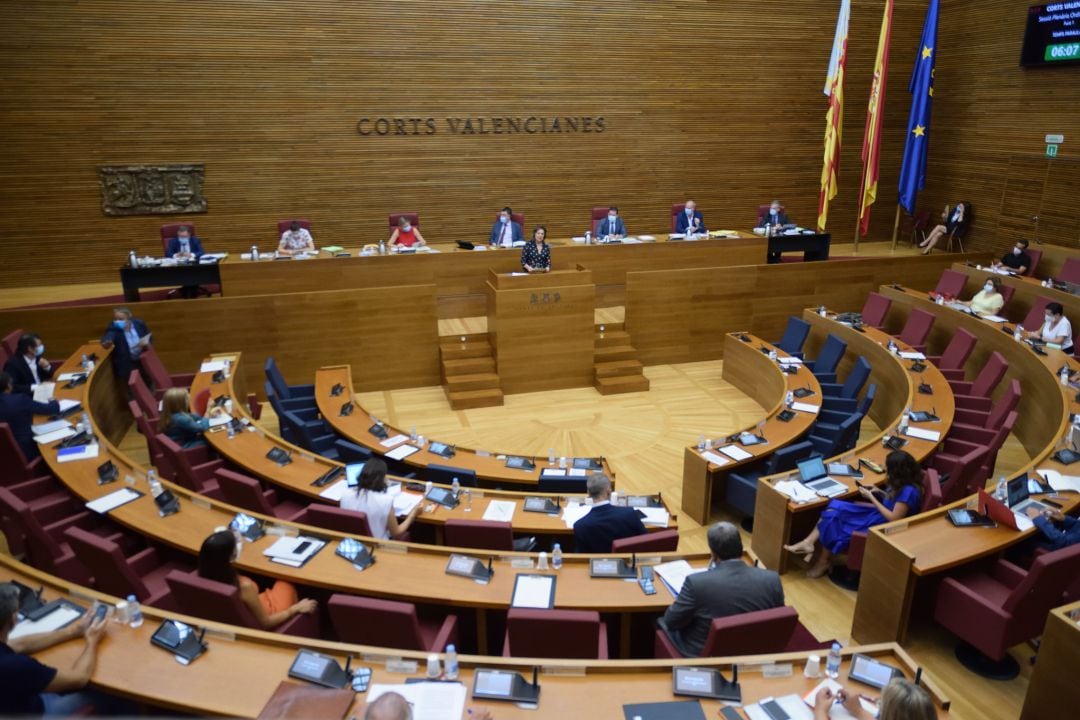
(728, 587)
(27, 687)
(394, 706)
(129, 336)
(605, 522)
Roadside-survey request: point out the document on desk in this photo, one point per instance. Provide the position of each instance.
(404, 502)
(1023, 522)
(212, 366)
(66, 405)
(107, 503)
(294, 551)
(394, 440)
(912, 356)
(577, 472)
(63, 615)
(1059, 482)
(805, 407)
(995, 319)
(796, 491)
(335, 492)
(655, 517)
(574, 511)
(429, 700)
(43, 393)
(736, 453)
(52, 426)
(533, 591)
(932, 435)
(674, 574)
(54, 435)
(222, 419)
(79, 452)
(402, 451)
(500, 511)
(69, 376)
(789, 361)
(714, 458)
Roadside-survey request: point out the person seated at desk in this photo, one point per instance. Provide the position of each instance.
(372, 499)
(536, 255)
(989, 300)
(29, 687)
(183, 427)
(690, 221)
(605, 522)
(1055, 329)
(955, 223)
(728, 587)
(900, 700)
(612, 226)
(505, 232)
(296, 240)
(394, 706)
(272, 606)
(1058, 529)
(776, 218)
(18, 411)
(184, 246)
(28, 368)
(130, 336)
(1017, 259)
(406, 235)
(842, 518)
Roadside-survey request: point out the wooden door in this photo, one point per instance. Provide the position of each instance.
(1059, 223)
(1021, 200)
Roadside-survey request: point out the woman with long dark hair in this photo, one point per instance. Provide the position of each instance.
(371, 498)
(953, 223)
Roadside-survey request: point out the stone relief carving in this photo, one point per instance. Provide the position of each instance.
(151, 189)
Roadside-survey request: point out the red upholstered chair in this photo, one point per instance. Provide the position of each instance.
(931, 498)
(990, 420)
(676, 210)
(220, 602)
(917, 329)
(960, 441)
(16, 469)
(201, 401)
(763, 210)
(41, 534)
(168, 232)
(197, 478)
(959, 474)
(975, 395)
(1007, 292)
(875, 309)
(519, 218)
(951, 362)
(10, 343)
(196, 455)
(334, 518)
(1036, 316)
(248, 493)
(159, 376)
(912, 226)
(577, 634)
(1070, 272)
(388, 623)
(659, 541)
(142, 395)
(286, 224)
(485, 535)
(951, 283)
(142, 574)
(993, 610)
(413, 217)
(43, 496)
(1036, 258)
(751, 633)
(598, 215)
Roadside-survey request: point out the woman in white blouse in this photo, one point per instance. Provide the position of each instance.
(296, 240)
(372, 499)
(1055, 328)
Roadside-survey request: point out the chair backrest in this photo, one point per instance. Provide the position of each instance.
(875, 309)
(185, 474)
(831, 353)
(951, 283)
(921, 221)
(1004, 405)
(676, 210)
(143, 396)
(168, 232)
(350, 452)
(482, 534)
(849, 433)
(960, 474)
(931, 495)
(519, 218)
(990, 375)
(1042, 587)
(958, 350)
(149, 432)
(152, 365)
(394, 217)
(553, 633)
(917, 328)
(301, 432)
(659, 541)
(338, 519)
(41, 549)
(1036, 256)
(978, 481)
(446, 473)
(787, 457)
(12, 458)
(598, 215)
(763, 210)
(10, 342)
(105, 561)
(243, 491)
(856, 379)
(201, 401)
(370, 621)
(209, 599)
(283, 225)
(751, 633)
(1070, 272)
(275, 378)
(794, 335)
(1037, 314)
(868, 400)
(1007, 292)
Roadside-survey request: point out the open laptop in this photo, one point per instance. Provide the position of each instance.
(1019, 497)
(813, 475)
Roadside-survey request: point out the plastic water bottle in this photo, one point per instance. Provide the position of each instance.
(1064, 375)
(153, 482)
(790, 399)
(1001, 491)
(85, 422)
(904, 419)
(133, 260)
(455, 487)
(134, 612)
(701, 442)
(254, 253)
(451, 663)
(551, 457)
(1016, 333)
(382, 247)
(412, 434)
(85, 362)
(556, 556)
(832, 664)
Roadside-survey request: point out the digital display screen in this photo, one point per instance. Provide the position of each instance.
(871, 672)
(811, 469)
(352, 474)
(494, 683)
(310, 665)
(693, 681)
(1052, 36)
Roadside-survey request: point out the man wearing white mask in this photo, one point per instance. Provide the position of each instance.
(775, 217)
(184, 246)
(28, 368)
(690, 221)
(612, 226)
(505, 232)
(1018, 259)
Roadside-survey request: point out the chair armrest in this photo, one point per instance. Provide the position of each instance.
(969, 435)
(144, 561)
(834, 417)
(183, 380)
(37, 467)
(953, 374)
(838, 403)
(1007, 573)
(970, 418)
(825, 377)
(35, 489)
(856, 550)
(972, 402)
(199, 454)
(447, 633)
(663, 648)
(976, 610)
(831, 389)
(961, 387)
(302, 625)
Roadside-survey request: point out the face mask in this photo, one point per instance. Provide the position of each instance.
(988, 287)
(406, 228)
(773, 211)
(1016, 251)
(119, 324)
(1049, 318)
(39, 350)
(504, 219)
(689, 211)
(612, 217)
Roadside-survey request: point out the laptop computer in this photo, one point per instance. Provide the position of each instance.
(1019, 497)
(813, 475)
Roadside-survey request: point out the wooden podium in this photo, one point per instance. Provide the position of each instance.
(541, 329)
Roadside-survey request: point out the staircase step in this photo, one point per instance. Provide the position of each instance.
(472, 381)
(617, 368)
(613, 353)
(611, 326)
(468, 366)
(467, 399)
(610, 338)
(468, 350)
(621, 384)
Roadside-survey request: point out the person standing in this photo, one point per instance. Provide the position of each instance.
(536, 255)
(129, 336)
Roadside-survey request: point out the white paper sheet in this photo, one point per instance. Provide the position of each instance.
(49, 427)
(336, 491)
(573, 512)
(789, 361)
(995, 318)
(795, 490)
(674, 574)
(58, 618)
(1061, 483)
(714, 458)
(430, 701)
(500, 511)
(394, 440)
(68, 376)
(657, 517)
(286, 548)
(222, 419)
(577, 472)
(212, 366)
(736, 453)
(50, 437)
(793, 705)
(113, 500)
(805, 407)
(532, 591)
(922, 434)
(84, 452)
(1023, 522)
(912, 356)
(404, 502)
(401, 452)
(66, 404)
(43, 393)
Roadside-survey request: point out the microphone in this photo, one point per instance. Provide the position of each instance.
(918, 675)
(348, 663)
(536, 674)
(490, 569)
(633, 561)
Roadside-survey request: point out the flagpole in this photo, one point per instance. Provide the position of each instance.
(896, 227)
(859, 207)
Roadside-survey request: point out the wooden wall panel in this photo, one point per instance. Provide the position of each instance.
(716, 100)
(388, 335)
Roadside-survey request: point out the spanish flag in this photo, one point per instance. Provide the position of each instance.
(834, 118)
(871, 150)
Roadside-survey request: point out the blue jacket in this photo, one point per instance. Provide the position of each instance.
(193, 243)
(515, 232)
(123, 362)
(605, 227)
(603, 524)
(682, 222)
(18, 410)
(1056, 538)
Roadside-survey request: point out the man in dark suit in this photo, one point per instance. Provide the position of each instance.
(605, 523)
(775, 218)
(184, 246)
(690, 220)
(130, 336)
(505, 232)
(728, 587)
(18, 410)
(612, 225)
(28, 368)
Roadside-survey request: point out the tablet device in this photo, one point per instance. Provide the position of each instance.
(248, 527)
(379, 431)
(442, 496)
(167, 503)
(442, 449)
(346, 408)
(279, 455)
(504, 685)
(179, 639)
(520, 463)
(962, 517)
(337, 389)
(869, 671)
(611, 568)
(802, 392)
(328, 477)
(541, 505)
(588, 464)
(356, 553)
(707, 683)
(470, 567)
(319, 669)
(785, 415)
(921, 416)
(107, 472)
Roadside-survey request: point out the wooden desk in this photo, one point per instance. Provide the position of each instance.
(1027, 289)
(751, 371)
(1053, 683)
(813, 247)
(181, 274)
(129, 666)
(778, 521)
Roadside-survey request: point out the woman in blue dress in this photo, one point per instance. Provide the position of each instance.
(900, 496)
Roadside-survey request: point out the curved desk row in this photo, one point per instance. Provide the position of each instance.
(1026, 290)
(129, 666)
(777, 519)
(748, 368)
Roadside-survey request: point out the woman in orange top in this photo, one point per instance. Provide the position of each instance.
(270, 607)
(406, 235)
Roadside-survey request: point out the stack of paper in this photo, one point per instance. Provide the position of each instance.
(500, 511)
(293, 551)
(714, 458)
(912, 355)
(656, 517)
(805, 407)
(402, 451)
(796, 491)
(113, 500)
(212, 366)
(932, 435)
(995, 318)
(43, 393)
(335, 492)
(674, 574)
(790, 361)
(394, 440)
(428, 700)
(574, 511)
(79, 452)
(404, 502)
(66, 405)
(736, 453)
(53, 435)
(63, 615)
(1059, 482)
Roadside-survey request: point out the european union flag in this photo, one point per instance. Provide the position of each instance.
(913, 168)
